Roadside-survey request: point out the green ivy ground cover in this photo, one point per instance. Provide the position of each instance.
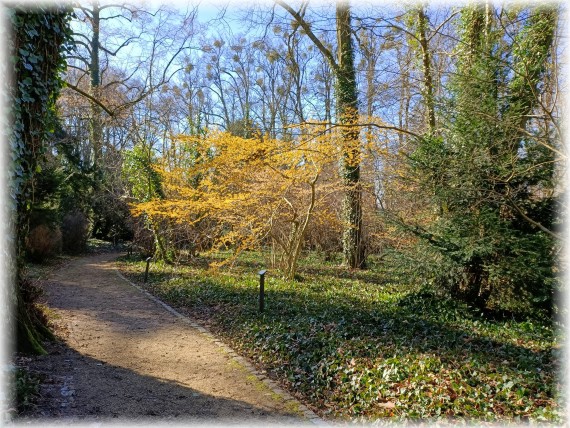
(364, 346)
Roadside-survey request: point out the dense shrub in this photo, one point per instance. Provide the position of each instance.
(111, 220)
(75, 232)
(490, 172)
(43, 242)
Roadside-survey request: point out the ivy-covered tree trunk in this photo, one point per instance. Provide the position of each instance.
(426, 65)
(39, 38)
(490, 167)
(96, 127)
(347, 112)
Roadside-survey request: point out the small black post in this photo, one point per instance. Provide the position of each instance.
(146, 271)
(261, 290)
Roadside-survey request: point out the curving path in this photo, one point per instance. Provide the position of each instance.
(124, 355)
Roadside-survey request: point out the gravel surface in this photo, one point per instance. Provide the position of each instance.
(125, 358)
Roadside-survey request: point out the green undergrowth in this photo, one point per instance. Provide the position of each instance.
(27, 390)
(366, 345)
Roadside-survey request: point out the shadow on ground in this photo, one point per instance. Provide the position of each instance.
(80, 387)
(109, 365)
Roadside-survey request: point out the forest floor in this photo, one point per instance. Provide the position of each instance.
(374, 346)
(122, 356)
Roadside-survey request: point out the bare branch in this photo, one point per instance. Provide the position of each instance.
(79, 58)
(533, 222)
(91, 97)
(439, 27)
(125, 43)
(307, 28)
(359, 124)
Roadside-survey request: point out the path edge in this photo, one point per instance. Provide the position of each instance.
(272, 385)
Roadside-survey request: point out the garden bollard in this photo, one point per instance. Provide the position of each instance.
(262, 290)
(146, 271)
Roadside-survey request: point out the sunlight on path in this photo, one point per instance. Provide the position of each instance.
(130, 357)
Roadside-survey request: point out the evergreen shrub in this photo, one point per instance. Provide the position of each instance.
(75, 232)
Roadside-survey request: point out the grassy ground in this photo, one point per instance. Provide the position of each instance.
(367, 345)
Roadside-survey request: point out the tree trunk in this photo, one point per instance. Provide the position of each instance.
(298, 236)
(96, 127)
(347, 112)
(426, 63)
(39, 33)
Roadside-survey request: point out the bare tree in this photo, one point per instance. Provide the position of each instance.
(143, 44)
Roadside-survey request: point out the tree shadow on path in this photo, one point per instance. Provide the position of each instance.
(124, 356)
(78, 387)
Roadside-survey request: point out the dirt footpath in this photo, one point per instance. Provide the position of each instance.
(125, 356)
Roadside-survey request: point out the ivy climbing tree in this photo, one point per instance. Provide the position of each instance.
(346, 94)
(40, 37)
(490, 175)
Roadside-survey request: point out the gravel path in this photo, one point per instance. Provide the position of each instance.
(126, 358)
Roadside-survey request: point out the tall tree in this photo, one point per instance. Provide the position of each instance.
(123, 54)
(347, 117)
(37, 49)
(489, 174)
(96, 127)
(127, 49)
(422, 28)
